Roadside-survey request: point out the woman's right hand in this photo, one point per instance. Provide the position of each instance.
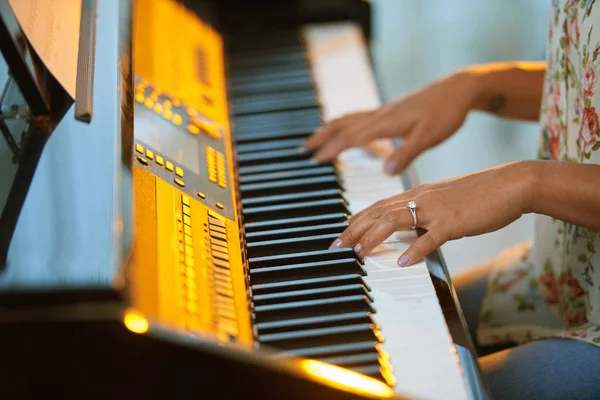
(423, 119)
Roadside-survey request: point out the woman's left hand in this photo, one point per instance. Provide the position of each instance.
(452, 209)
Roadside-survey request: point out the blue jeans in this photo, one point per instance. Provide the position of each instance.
(546, 369)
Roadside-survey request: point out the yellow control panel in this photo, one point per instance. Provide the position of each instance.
(188, 269)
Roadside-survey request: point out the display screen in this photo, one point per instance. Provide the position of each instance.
(168, 140)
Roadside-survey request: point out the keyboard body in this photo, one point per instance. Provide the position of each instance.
(197, 235)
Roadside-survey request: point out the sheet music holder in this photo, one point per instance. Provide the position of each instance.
(32, 103)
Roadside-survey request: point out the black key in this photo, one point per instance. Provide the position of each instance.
(282, 175)
(270, 145)
(255, 106)
(272, 76)
(280, 166)
(277, 234)
(295, 222)
(314, 322)
(319, 336)
(270, 58)
(312, 308)
(293, 84)
(300, 284)
(290, 186)
(281, 120)
(354, 360)
(298, 132)
(294, 197)
(310, 270)
(295, 154)
(264, 72)
(291, 245)
(304, 257)
(302, 209)
(316, 352)
(311, 294)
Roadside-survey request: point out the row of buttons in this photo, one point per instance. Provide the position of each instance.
(160, 161)
(226, 318)
(187, 265)
(164, 107)
(215, 161)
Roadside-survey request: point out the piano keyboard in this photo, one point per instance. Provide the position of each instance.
(366, 315)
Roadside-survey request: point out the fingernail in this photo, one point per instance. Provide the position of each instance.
(357, 248)
(336, 244)
(390, 166)
(402, 261)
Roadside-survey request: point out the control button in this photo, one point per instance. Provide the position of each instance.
(219, 248)
(180, 236)
(168, 114)
(149, 154)
(176, 102)
(216, 221)
(158, 108)
(217, 229)
(217, 235)
(187, 220)
(142, 160)
(218, 254)
(219, 205)
(179, 172)
(179, 182)
(187, 230)
(180, 226)
(221, 263)
(189, 261)
(169, 166)
(167, 104)
(189, 251)
(185, 200)
(201, 195)
(139, 97)
(221, 170)
(186, 210)
(213, 214)
(181, 247)
(193, 129)
(159, 160)
(218, 242)
(149, 103)
(177, 120)
(189, 241)
(139, 148)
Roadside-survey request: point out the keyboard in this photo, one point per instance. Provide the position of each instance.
(366, 315)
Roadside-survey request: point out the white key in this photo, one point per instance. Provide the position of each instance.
(416, 335)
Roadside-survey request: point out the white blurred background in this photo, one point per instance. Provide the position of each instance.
(417, 41)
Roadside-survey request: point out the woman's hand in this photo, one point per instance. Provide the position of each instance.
(452, 209)
(424, 119)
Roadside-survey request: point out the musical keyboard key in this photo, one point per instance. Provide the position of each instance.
(308, 270)
(270, 145)
(309, 284)
(276, 234)
(293, 197)
(295, 222)
(312, 308)
(296, 154)
(303, 257)
(282, 175)
(301, 209)
(290, 186)
(318, 352)
(314, 322)
(291, 245)
(320, 336)
(279, 166)
(311, 294)
(355, 360)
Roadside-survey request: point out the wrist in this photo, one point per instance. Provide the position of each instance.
(474, 83)
(528, 177)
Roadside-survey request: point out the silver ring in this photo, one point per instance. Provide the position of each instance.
(412, 207)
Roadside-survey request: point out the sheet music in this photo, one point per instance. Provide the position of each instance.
(52, 28)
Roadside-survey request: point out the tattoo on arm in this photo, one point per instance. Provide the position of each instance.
(496, 103)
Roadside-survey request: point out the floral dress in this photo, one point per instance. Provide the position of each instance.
(552, 287)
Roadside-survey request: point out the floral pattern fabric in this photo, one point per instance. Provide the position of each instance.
(552, 288)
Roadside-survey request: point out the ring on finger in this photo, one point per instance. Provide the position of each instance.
(412, 208)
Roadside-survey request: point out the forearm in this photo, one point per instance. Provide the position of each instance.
(566, 191)
(509, 89)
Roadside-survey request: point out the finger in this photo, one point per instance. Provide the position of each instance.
(353, 233)
(335, 146)
(422, 247)
(405, 154)
(393, 220)
(329, 130)
(397, 200)
(322, 135)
